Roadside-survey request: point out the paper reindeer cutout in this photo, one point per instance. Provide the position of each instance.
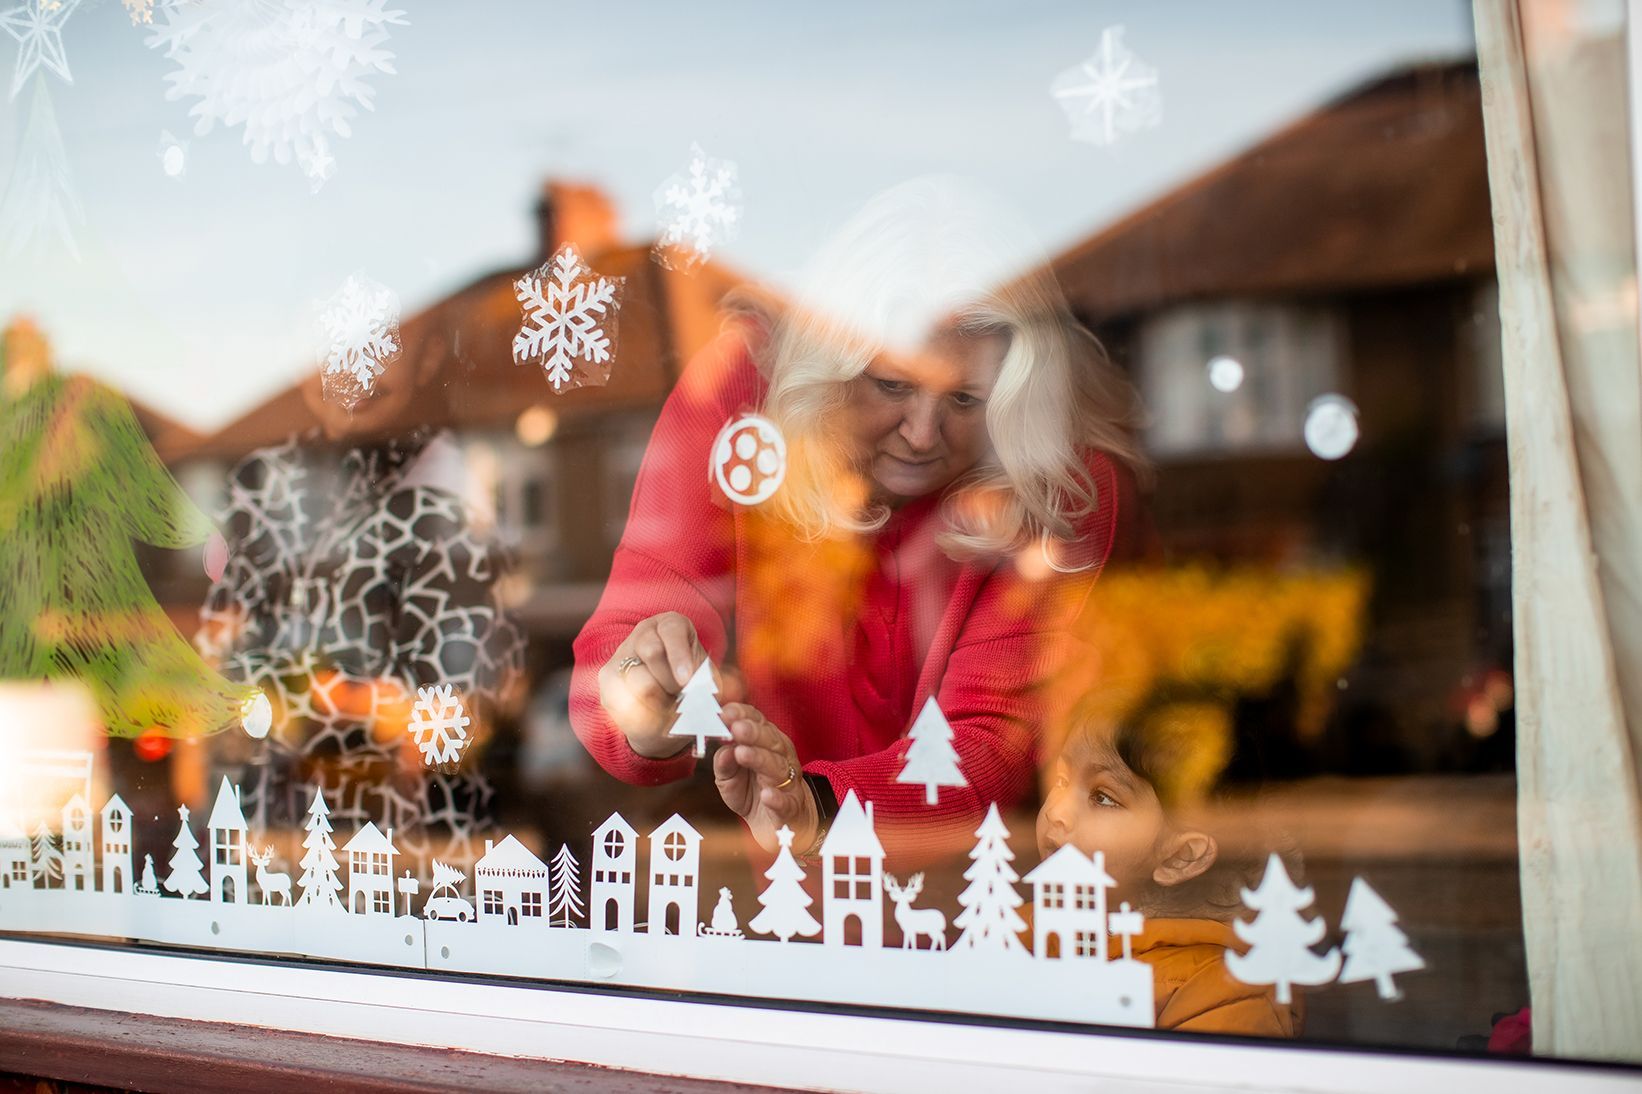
(931, 760)
(1280, 940)
(915, 923)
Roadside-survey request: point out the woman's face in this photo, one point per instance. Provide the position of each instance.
(919, 420)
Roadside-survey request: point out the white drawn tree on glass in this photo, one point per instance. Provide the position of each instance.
(319, 881)
(931, 760)
(1375, 947)
(48, 861)
(989, 919)
(567, 888)
(699, 714)
(785, 903)
(185, 878)
(1279, 938)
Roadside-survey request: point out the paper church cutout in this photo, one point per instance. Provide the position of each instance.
(931, 760)
(699, 714)
(1375, 947)
(1279, 939)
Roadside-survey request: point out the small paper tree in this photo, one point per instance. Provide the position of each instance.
(319, 881)
(1375, 947)
(931, 760)
(567, 888)
(48, 861)
(185, 878)
(1280, 940)
(699, 714)
(785, 903)
(989, 918)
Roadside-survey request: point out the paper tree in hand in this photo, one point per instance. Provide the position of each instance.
(319, 866)
(699, 714)
(931, 760)
(1280, 940)
(989, 919)
(1375, 947)
(785, 902)
(185, 878)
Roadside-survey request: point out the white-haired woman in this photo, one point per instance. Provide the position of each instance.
(955, 481)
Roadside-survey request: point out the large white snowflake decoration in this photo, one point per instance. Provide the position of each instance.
(570, 318)
(1111, 93)
(358, 336)
(699, 209)
(38, 27)
(439, 724)
(292, 72)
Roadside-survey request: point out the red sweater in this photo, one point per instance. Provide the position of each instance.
(840, 643)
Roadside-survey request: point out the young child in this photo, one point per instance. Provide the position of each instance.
(1127, 789)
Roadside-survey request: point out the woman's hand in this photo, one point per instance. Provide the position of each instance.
(638, 686)
(759, 777)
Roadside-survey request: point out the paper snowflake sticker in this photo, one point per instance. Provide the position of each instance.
(749, 459)
(1111, 93)
(38, 27)
(439, 724)
(292, 72)
(699, 209)
(358, 336)
(570, 320)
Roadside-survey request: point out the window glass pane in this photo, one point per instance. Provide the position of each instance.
(1014, 521)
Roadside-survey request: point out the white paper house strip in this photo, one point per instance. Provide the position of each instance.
(511, 881)
(852, 866)
(1069, 903)
(227, 828)
(615, 864)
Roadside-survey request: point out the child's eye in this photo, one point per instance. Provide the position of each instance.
(1103, 799)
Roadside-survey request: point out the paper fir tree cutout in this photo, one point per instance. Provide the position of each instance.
(566, 903)
(989, 919)
(43, 853)
(931, 760)
(1375, 947)
(185, 878)
(319, 881)
(1280, 940)
(785, 903)
(699, 714)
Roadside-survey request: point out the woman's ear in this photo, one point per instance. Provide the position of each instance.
(1185, 856)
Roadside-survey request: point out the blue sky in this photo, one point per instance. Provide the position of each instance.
(195, 295)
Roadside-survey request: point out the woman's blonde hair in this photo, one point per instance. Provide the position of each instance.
(929, 255)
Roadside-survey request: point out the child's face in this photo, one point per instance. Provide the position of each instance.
(1096, 803)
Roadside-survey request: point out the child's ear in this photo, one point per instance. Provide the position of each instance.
(1185, 856)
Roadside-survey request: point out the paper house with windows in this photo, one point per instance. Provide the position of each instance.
(227, 829)
(852, 867)
(370, 871)
(116, 849)
(16, 864)
(615, 861)
(511, 882)
(675, 871)
(1069, 903)
(77, 853)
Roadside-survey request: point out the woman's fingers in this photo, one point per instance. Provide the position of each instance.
(772, 767)
(651, 650)
(681, 649)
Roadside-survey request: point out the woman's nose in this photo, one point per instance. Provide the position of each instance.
(921, 426)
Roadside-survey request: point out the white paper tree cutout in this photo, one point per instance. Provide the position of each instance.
(785, 903)
(185, 878)
(1280, 939)
(319, 881)
(989, 919)
(1375, 947)
(699, 210)
(439, 725)
(699, 714)
(566, 904)
(40, 212)
(38, 27)
(570, 320)
(1111, 93)
(931, 760)
(357, 330)
(915, 923)
(749, 459)
(48, 861)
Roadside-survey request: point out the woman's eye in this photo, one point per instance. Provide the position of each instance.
(965, 399)
(893, 387)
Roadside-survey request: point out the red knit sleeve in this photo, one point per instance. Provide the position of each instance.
(676, 554)
(991, 692)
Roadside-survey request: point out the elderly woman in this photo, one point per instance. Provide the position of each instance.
(954, 447)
